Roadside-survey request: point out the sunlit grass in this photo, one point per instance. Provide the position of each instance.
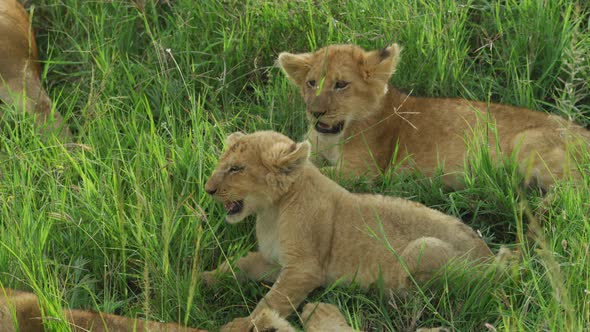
(118, 220)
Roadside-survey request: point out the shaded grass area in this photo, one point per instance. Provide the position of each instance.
(119, 221)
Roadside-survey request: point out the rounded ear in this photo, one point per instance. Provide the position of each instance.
(295, 66)
(381, 64)
(233, 137)
(285, 157)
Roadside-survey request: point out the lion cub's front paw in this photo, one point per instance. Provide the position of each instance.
(269, 320)
(241, 324)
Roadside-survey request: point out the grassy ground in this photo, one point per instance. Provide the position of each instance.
(119, 222)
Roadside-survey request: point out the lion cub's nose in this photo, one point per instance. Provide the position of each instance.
(209, 189)
(317, 114)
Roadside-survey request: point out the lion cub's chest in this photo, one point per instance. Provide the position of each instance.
(327, 146)
(267, 234)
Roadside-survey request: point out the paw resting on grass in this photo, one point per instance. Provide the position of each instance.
(269, 320)
(266, 321)
(324, 317)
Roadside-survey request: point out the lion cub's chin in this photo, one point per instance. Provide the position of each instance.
(237, 217)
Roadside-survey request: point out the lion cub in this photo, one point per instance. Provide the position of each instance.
(357, 119)
(19, 66)
(312, 232)
(20, 311)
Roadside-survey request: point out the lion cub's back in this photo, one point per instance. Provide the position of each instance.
(370, 229)
(413, 220)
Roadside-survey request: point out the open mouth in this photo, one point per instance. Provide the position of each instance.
(327, 129)
(234, 207)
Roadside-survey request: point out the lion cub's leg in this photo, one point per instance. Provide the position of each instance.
(253, 266)
(423, 257)
(83, 321)
(543, 157)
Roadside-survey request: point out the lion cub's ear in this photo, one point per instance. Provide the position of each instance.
(233, 137)
(295, 66)
(381, 64)
(285, 157)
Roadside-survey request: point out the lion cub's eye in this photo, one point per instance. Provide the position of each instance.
(235, 169)
(311, 83)
(340, 85)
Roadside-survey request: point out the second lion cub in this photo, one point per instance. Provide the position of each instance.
(361, 125)
(312, 232)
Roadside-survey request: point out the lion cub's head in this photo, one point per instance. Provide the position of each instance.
(340, 83)
(255, 171)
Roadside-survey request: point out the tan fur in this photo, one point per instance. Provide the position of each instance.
(269, 321)
(25, 308)
(431, 131)
(22, 306)
(324, 317)
(20, 70)
(316, 317)
(319, 233)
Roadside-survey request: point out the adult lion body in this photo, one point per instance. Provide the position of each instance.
(20, 311)
(357, 119)
(20, 70)
(312, 232)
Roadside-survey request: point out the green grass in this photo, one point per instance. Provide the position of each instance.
(119, 221)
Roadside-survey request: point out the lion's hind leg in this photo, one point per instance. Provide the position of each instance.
(422, 258)
(546, 156)
(324, 317)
